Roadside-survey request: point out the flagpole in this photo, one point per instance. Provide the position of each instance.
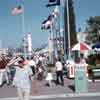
(59, 34)
(23, 22)
(51, 44)
(23, 27)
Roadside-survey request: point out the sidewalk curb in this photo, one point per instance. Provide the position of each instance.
(95, 80)
(69, 95)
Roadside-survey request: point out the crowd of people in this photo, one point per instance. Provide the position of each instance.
(20, 72)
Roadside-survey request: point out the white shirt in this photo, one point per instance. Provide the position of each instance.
(40, 58)
(59, 66)
(32, 63)
(21, 78)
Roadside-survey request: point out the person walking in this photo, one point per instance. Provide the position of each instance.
(59, 72)
(22, 80)
(49, 77)
(39, 71)
(32, 64)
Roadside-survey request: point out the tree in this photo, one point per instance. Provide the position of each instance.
(93, 30)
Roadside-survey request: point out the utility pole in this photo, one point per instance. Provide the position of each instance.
(68, 27)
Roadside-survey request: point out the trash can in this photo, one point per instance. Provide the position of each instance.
(81, 82)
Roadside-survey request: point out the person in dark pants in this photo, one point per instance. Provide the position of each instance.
(59, 72)
(91, 74)
(40, 71)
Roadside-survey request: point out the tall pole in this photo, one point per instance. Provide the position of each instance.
(59, 37)
(29, 43)
(63, 22)
(51, 44)
(23, 28)
(68, 28)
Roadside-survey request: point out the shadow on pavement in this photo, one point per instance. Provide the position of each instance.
(72, 87)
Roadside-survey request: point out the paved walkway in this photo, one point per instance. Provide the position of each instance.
(39, 88)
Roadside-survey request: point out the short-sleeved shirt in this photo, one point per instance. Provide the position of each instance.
(21, 78)
(32, 63)
(59, 66)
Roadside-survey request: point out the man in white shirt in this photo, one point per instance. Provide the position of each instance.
(32, 64)
(59, 72)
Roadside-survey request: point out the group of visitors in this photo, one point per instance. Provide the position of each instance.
(20, 73)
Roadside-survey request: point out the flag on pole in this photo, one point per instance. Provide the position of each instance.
(17, 10)
(46, 24)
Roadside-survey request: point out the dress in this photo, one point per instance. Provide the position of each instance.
(49, 76)
(22, 82)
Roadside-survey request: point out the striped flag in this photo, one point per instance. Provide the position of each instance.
(46, 24)
(17, 10)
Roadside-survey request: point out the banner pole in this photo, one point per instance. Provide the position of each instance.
(23, 27)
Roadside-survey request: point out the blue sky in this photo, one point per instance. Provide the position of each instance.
(35, 12)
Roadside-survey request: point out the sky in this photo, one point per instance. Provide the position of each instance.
(35, 13)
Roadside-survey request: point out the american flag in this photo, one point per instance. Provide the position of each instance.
(17, 10)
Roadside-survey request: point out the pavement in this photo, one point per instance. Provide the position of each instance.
(41, 90)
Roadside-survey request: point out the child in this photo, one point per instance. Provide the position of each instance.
(49, 77)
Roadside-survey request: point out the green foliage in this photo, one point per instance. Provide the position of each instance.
(93, 28)
(91, 60)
